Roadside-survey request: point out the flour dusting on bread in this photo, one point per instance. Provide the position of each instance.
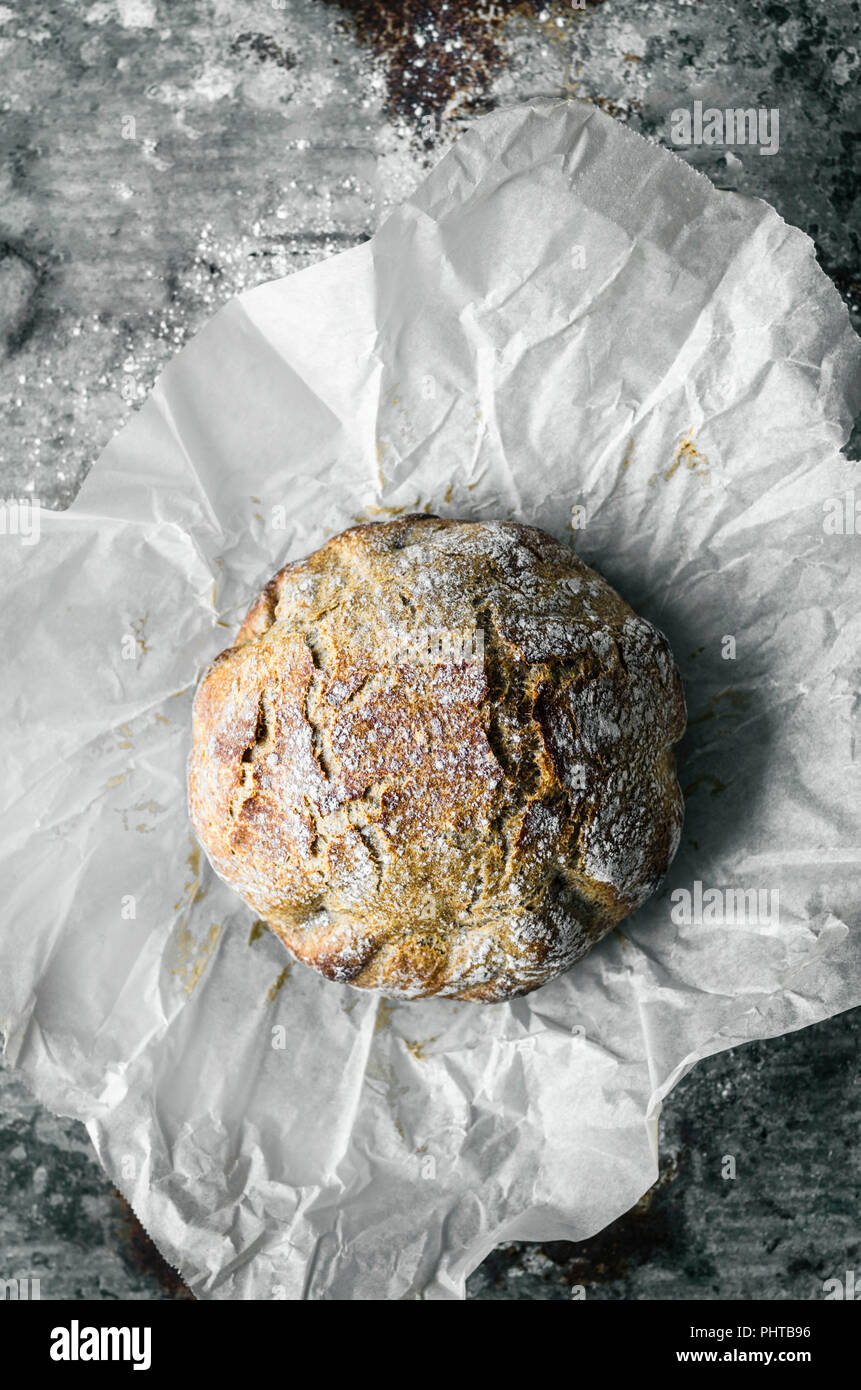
(458, 820)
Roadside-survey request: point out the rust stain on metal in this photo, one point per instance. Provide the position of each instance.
(140, 1251)
(443, 54)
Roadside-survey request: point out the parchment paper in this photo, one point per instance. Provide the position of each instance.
(562, 315)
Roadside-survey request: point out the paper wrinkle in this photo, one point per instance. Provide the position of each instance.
(282, 1136)
(161, 405)
(292, 370)
(490, 430)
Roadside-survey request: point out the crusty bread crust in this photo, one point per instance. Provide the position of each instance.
(418, 819)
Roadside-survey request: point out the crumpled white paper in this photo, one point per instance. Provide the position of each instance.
(562, 315)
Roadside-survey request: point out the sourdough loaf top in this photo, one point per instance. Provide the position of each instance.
(438, 758)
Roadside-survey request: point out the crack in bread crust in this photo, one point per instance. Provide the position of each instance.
(434, 822)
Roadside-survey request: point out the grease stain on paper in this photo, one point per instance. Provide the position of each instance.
(275, 989)
(688, 454)
(372, 511)
(138, 627)
(190, 955)
(739, 702)
(384, 1015)
(717, 786)
(417, 1049)
(149, 808)
(187, 957)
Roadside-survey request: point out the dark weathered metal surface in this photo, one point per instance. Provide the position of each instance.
(155, 159)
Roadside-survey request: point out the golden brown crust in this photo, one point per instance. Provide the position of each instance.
(420, 817)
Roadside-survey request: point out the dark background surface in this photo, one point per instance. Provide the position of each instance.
(155, 159)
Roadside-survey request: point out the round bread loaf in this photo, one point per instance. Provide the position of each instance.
(438, 759)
